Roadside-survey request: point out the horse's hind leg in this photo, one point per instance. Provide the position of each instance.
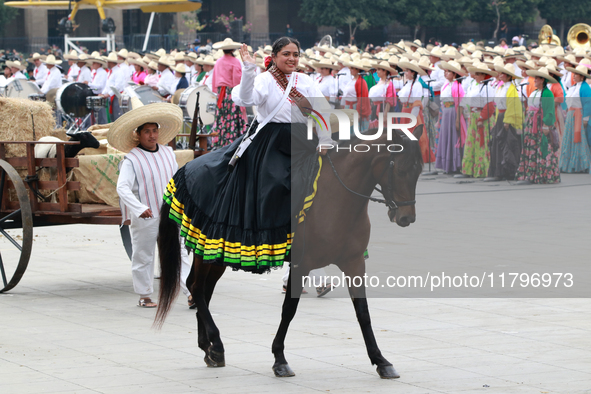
(209, 340)
(290, 305)
(384, 367)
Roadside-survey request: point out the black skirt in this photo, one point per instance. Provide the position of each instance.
(243, 218)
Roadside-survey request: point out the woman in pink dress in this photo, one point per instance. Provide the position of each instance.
(139, 74)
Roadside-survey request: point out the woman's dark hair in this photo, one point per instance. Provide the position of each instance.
(228, 52)
(283, 41)
(279, 44)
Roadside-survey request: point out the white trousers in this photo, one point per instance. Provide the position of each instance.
(317, 277)
(144, 233)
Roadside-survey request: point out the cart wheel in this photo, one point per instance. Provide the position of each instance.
(17, 244)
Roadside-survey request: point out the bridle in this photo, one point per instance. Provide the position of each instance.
(388, 194)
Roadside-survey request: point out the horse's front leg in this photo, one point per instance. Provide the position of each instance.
(358, 296)
(290, 305)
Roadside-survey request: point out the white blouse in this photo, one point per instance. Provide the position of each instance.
(378, 91)
(327, 86)
(573, 96)
(265, 92)
(501, 95)
(478, 95)
(446, 93)
(410, 92)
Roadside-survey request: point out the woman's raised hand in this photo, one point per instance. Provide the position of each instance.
(246, 58)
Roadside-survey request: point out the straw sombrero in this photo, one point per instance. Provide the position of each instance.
(412, 65)
(36, 56)
(356, 64)
(552, 70)
(436, 52)
(180, 68)
(169, 118)
(580, 69)
(351, 49)
(112, 58)
(324, 48)
(568, 59)
(207, 61)
(479, 67)
(139, 62)
(51, 60)
(96, 58)
(122, 53)
(16, 64)
(529, 65)
(542, 73)
(227, 44)
(153, 65)
(508, 69)
(425, 63)
(73, 55)
(416, 43)
(84, 58)
(452, 66)
(324, 63)
(156, 55)
(384, 65)
(166, 61)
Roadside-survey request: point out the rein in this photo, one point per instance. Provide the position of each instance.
(388, 196)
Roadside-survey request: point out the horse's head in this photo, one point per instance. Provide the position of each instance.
(397, 174)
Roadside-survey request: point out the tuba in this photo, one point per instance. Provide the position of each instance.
(547, 36)
(578, 36)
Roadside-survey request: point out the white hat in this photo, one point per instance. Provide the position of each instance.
(51, 60)
(323, 63)
(452, 66)
(479, 67)
(508, 69)
(412, 65)
(180, 68)
(227, 44)
(113, 58)
(542, 73)
(169, 118)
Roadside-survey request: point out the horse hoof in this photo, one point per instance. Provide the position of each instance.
(387, 372)
(214, 359)
(283, 371)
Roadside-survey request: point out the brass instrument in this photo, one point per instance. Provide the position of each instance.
(547, 36)
(578, 36)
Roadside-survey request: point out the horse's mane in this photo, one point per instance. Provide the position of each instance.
(411, 147)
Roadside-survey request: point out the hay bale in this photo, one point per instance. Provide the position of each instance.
(99, 127)
(16, 123)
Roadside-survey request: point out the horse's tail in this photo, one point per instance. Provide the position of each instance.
(169, 249)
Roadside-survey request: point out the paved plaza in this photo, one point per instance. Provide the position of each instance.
(72, 324)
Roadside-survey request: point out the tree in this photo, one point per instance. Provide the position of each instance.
(565, 13)
(356, 14)
(422, 13)
(6, 15)
(511, 11)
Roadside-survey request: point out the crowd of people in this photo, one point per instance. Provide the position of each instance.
(488, 112)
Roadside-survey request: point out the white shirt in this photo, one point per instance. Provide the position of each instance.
(327, 86)
(165, 82)
(378, 91)
(412, 92)
(207, 80)
(343, 80)
(85, 75)
(446, 92)
(115, 79)
(73, 72)
(501, 95)
(349, 93)
(53, 81)
(128, 188)
(263, 91)
(19, 75)
(40, 74)
(567, 79)
(479, 95)
(438, 78)
(99, 80)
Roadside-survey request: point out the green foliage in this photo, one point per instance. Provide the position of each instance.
(574, 10)
(338, 13)
(6, 15)
(430, 12)
(512, 11)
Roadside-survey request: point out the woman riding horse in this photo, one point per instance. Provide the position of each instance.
(243, 218)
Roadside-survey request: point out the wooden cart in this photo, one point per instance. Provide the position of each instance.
(26, 211)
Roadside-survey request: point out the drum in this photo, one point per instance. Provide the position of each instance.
(207, 103)
(20, 88)
(71, 99)
(146, 94)
(95, 103)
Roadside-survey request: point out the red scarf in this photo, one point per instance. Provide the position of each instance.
(363, 104)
